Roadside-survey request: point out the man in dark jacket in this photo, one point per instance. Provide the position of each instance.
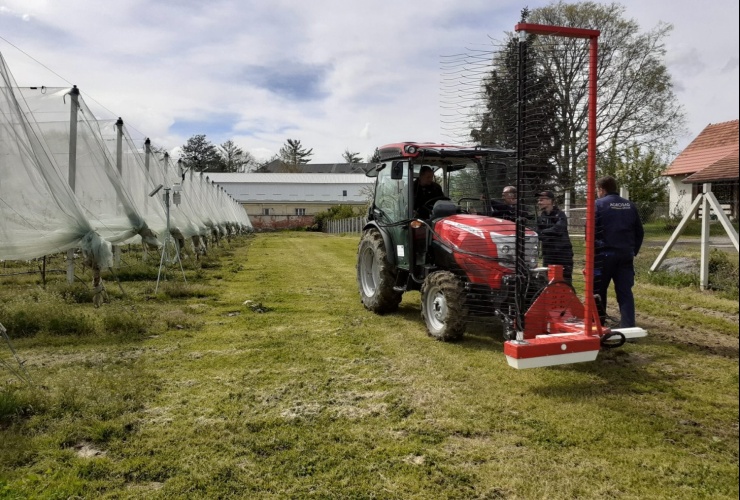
(619, 235)
(552, 229)
(506, 207)
(426, 190)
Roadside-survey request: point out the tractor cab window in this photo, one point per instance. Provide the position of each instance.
(391, 195)
(465, 187)
(438, 173)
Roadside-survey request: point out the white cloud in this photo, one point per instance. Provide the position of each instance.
(365, 132)
(262, 154)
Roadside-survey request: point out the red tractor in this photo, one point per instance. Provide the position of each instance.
(466, 263)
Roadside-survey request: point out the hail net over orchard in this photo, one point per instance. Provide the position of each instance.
(71, 180)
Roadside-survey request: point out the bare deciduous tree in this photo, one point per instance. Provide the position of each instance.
(636, 105)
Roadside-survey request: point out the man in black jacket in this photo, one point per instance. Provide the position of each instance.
(552, 229)
(619, 235)
(426, 190)
(506, 207)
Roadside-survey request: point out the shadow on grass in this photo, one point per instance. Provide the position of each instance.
(409, 312)
(482, 333)
(622, 371)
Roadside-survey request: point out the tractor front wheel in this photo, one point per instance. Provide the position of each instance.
(443, 306)
(376, 277)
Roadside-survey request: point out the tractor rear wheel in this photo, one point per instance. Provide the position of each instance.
(376, 277)
(443, 306)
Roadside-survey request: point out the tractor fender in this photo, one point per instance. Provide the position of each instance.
(389, 253)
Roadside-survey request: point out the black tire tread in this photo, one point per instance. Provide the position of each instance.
(385, 299)
(454, 290)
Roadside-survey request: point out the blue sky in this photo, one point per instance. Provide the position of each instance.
(334, 74)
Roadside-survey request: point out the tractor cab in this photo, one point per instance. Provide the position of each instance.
(406, 222)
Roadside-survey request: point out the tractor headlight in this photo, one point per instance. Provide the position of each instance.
(504, 248)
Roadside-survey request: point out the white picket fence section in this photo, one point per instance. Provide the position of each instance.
(353, 225)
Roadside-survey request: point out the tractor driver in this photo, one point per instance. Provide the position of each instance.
(425, 190)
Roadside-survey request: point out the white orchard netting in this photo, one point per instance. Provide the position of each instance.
(186, 215)
(207, 196)
(139, 175)
(70, 180)
(39, 212)
(97, 183)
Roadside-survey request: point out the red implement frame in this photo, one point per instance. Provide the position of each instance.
(559, 329)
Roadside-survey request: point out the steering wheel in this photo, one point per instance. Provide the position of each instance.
(429, 204)
(475, 200)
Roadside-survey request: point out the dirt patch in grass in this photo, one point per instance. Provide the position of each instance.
(88, 450)
(730, 317)
(691, 335)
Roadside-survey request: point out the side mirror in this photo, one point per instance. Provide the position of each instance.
(397, 170)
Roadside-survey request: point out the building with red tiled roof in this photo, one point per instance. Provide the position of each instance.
(710, 158)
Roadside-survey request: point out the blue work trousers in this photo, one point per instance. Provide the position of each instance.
(619, 268)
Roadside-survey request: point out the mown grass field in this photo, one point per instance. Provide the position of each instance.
(301, 393)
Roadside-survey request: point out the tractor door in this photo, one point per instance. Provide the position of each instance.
(392, 198)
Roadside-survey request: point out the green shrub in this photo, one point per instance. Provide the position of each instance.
(723, 274)
(63, 321)
(672, 279)
(125, 322)
(21, 322)
(10, 404)
(209, 263)
(76, 293)
(14, 403)
(184, 290)
(139, 271)
(336, 212)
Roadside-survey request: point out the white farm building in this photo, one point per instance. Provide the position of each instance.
(281, 200)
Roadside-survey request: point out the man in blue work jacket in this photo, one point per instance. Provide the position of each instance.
(619, 236)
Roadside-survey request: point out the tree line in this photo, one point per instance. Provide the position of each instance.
(202, 155)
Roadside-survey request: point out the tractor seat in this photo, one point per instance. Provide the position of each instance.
(444, 208)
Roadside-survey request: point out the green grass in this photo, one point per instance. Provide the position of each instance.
(665, 228)
(204, 396)
(723, 272)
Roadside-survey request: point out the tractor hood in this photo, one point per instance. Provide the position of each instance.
(481, 244)
(477, 225)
